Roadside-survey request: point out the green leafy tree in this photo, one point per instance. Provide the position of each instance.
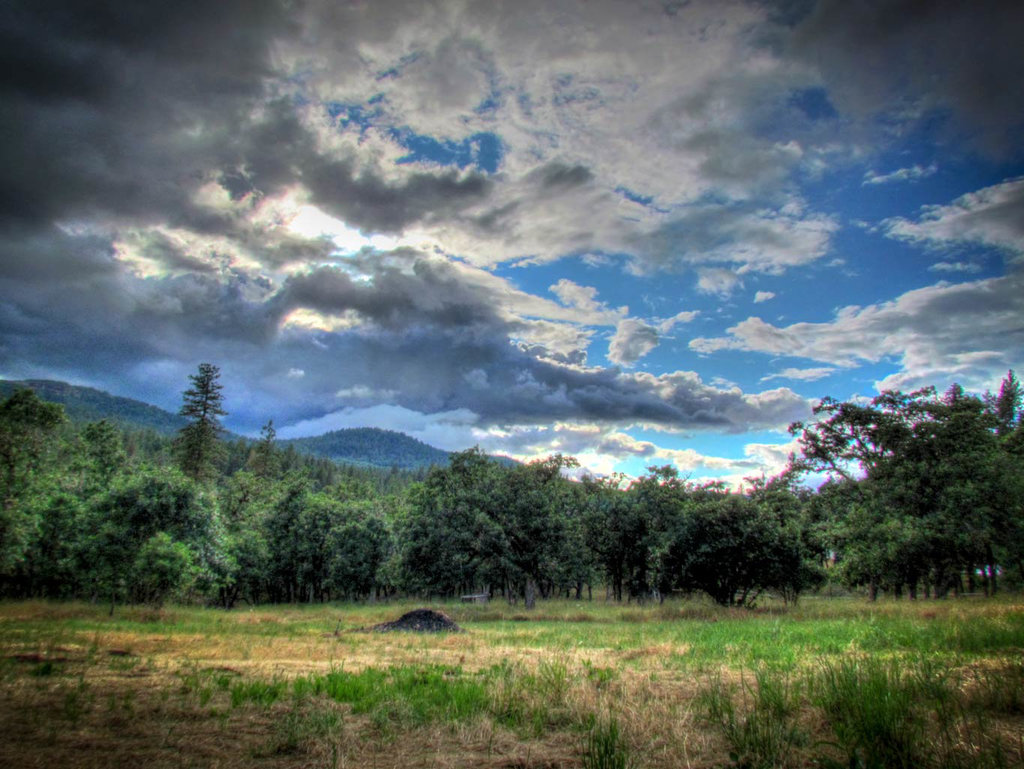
(246, 501)
(451, 541)
(47, 569)
(659, 499)
(132, 511)
(788, 504)
(104, 454)
(162, 567)
(360, 544)
(28, 433)
(198, 445)
(616, 533)
(729, 547)
(532, 516)
(284, 532)
(934, 489)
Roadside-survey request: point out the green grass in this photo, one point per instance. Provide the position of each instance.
(773, 634)
(761, 727)
(401, 696)
(605, 748)
(827, 683)
(872, 710)
(262, 693)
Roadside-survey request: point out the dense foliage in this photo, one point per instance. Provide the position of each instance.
(917, 492)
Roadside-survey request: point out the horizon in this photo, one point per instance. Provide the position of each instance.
(638, 234)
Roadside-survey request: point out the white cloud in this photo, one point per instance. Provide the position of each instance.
(910, 174)
(584, 299)
(310, 222)
(633, 339)
(361, 392)
(955, 267)
(449, 430)
(746, 238)
(763, 296)
(687, 316)
(993, 216)
(715, 280)
(802, 374)
(683, 96)
(971, 331)
(602, 450)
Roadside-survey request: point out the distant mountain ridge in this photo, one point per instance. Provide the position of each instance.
(86, 404)
(371, 446)
(368, 446)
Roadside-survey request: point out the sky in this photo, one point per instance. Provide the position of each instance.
(638, 233)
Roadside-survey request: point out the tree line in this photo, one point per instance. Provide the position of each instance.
(916, 493)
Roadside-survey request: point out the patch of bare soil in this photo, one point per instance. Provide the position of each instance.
(420, 621)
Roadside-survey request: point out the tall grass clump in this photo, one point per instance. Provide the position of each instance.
(402, 696)
(536, 701)
(604, 747)
(763, 732)
(257, 692)
(870, 705)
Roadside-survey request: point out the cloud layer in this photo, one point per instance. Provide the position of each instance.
(328, 200)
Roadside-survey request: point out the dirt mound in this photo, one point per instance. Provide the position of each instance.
(420, 621)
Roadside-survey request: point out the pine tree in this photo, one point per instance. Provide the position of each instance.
(263, 460)
(198, 443)
(1008, 403)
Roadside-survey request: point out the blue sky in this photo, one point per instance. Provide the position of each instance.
(640, 233)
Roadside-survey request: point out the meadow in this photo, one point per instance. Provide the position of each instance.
(830, 682)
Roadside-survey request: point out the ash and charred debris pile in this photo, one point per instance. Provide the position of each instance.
(420, 621)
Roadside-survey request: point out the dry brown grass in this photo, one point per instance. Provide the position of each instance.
(78, 690)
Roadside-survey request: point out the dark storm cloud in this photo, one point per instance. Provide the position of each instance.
(51, 255)
(371, 204)
(125, 109)
(120, 107)
(930, 54)
(440, 370)
(115, 114)
(558, 175)
(397, 298)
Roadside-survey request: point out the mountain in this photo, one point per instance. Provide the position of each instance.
(366, 446)
(370, 446)
(84, 404)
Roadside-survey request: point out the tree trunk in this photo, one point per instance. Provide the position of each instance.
(991, 558)
(530, 597)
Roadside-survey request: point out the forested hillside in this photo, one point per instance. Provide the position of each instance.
(85, 404)
(371, 446)
(923, 496)
(365, 446)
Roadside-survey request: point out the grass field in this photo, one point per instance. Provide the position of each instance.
(830, 682)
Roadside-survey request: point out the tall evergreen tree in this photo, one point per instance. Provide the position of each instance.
(198, 443)
(1008, 404)
(263, 461)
